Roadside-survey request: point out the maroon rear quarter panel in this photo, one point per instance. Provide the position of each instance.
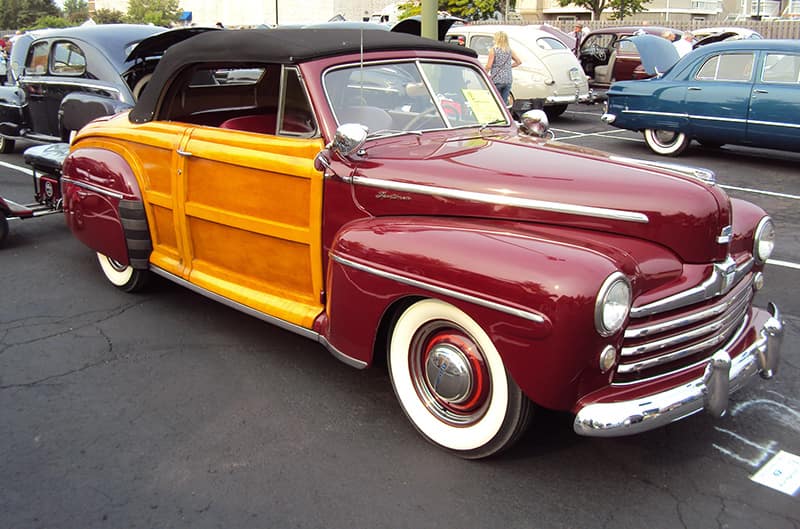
(91, 204)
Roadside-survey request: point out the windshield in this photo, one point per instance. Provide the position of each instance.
(411, 96)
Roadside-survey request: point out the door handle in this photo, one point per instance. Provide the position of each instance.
(695, 88)
(761, 91)
(183, 153)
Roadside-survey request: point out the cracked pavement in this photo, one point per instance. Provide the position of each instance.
(166, 409)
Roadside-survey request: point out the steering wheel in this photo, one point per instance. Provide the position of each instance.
(598, 52)
(425, 114)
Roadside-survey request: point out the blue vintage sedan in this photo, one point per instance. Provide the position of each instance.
(744, 92)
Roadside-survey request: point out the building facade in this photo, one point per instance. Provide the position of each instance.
(254, 12)
(665, 11)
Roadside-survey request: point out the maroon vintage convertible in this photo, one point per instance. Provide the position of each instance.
(370, 191)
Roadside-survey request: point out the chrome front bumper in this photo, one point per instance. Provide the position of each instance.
(722, 377)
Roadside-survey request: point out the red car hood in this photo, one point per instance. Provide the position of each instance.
(515, 178)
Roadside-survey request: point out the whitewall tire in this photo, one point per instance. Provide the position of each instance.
(451, 381)
(666, 142)
(124, 277)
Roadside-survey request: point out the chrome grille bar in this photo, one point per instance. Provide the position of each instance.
(724, 335)
(684, 320)
(713, 326)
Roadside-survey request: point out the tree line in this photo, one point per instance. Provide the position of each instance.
(474, 10)
(37, 14)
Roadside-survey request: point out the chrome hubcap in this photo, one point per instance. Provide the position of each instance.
(448, 373)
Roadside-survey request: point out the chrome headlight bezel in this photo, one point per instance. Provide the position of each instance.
(764, 240)
(616, 289)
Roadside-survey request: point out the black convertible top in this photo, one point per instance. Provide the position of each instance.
(282, 46)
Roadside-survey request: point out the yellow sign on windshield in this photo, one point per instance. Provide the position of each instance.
(483, 105)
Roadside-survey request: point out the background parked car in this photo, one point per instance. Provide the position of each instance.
(744, 92)
(606, 58)
(63, 78)
(549, 75)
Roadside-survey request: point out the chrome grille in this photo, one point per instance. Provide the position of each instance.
(664, 343)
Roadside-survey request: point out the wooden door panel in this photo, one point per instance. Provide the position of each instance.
(252, 220)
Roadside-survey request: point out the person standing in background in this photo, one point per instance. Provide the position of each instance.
(501, 60)
(577, 34)
(685, 44)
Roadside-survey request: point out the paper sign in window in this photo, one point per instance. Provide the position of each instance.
(482, 104)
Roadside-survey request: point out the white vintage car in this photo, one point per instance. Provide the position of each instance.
(550, 76)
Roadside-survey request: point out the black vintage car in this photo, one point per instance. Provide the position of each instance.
(58, 80)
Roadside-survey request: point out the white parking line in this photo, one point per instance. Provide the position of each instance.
(572, 134)
(25, 170)
(785, 264)
(760, 192)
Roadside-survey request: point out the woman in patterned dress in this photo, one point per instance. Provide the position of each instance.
(501, 59)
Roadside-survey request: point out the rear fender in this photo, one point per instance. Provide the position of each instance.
(78, 108)
(534, 297)
(103, 206)
(12, 119)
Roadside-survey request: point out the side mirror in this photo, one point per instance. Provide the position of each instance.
(535, 123)
(349, 138)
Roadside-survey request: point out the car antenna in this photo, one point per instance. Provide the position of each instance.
(361, 67)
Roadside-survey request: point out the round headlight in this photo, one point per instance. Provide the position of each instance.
(613, 304)
(764, 240)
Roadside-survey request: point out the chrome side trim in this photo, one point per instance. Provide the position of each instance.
(720, 281)
(713, 118)
(283, 324)
(654, 113)
(80, 84)
(352, 362)
(500, 200)
(92, 187)
(773, 124)
(612, 419)
(688, 319)
(440, 290)
(717, 118)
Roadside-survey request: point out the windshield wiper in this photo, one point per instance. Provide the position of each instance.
(386, 132)
(490, 123)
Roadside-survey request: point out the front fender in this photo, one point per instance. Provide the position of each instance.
(103, 205)
(533, 295)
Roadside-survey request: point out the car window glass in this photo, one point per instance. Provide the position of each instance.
(67, 59)
(627, 47)
(781, 68)
(297, 118)
(481, 44)
(735, 67)
(727, 67)
(242, 97)
(410, 96)
(550, 43)
(37, 59)
(602, 40)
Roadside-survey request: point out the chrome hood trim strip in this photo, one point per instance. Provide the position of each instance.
(531, 316)
(501, 200)
(723, 277)
(699, 173)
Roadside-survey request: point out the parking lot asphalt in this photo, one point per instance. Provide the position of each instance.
(165, 409)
